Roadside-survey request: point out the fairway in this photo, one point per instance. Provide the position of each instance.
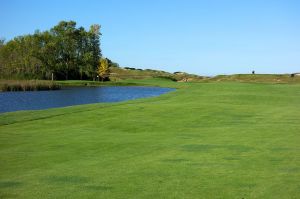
(204, 140)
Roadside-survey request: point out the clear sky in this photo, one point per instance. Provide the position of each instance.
(206, 37)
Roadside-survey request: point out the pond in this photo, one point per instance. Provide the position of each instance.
(34, 100)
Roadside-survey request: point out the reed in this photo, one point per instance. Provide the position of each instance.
(27, 85)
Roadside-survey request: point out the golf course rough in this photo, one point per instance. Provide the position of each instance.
(204, 140)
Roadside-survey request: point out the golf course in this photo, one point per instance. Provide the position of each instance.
(224, 139)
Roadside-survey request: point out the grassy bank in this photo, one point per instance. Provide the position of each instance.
(36, 85)
(148, 80)
(257, 78)
(205, 140)
(27, 85)
(96, 83)
(126, 82)
(140, 79)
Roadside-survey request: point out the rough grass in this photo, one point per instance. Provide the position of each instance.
(126, 82)
(205, 140)
(258, 78)
(124, 74)
(27, 85)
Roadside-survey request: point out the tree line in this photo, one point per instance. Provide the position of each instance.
(64, 51)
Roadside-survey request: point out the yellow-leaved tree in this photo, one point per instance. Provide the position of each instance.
(103, 69)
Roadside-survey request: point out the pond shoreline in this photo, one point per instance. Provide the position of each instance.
(45, 85)
(28, 85)
(76, 95)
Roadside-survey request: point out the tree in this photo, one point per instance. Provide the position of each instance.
(103, 69)
(94, 50)
(46, 52)
(17, 60)
(112, 64)
(2, 43)
(66, 51)
(66, 45)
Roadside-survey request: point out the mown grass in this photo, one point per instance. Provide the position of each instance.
(27, 85)
(205, 140)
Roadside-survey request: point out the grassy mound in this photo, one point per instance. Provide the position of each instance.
(118, 73)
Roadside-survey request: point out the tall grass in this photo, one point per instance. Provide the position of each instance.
(27, 85)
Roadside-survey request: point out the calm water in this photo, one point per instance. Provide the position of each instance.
(33, 100)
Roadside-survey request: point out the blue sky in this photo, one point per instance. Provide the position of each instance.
(202, 37)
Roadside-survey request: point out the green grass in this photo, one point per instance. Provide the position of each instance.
(205, 140)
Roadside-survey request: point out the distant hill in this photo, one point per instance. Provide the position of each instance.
(121, 73)
(260, 78)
